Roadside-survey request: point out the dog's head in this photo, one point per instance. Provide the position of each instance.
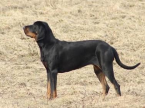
(38, 30)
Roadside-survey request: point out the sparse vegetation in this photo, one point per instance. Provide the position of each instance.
(120, 23)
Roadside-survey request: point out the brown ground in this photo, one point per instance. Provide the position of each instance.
(121, 23)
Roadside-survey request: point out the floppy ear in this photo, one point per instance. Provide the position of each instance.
(44, 30)
(47, 28)
(41, 33)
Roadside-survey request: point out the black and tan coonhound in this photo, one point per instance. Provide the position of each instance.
(61, 56)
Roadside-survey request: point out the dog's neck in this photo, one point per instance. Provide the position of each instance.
(49, 40)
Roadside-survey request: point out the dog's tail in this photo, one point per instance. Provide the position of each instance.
(120, 63)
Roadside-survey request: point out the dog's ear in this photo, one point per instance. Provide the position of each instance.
(44, 30)
(47, 28)
(41, 32)
(46, 25)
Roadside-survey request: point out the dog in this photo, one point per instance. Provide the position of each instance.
(61, 56)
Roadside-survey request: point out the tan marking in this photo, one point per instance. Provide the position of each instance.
(102, 79)
(30, 34)
(54, 94)
(48, 90)
(45, 64)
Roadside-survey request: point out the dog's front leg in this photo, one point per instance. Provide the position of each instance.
(48, 86)
(52, 83)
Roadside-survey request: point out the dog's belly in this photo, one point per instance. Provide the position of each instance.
(69, 67)
(76, 64)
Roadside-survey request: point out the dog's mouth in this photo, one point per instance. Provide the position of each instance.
(29, 33)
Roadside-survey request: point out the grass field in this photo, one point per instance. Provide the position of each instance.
(121, 23)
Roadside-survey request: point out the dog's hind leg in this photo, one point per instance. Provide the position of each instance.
(108, 71)
(102, 79)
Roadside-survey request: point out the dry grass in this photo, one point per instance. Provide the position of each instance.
(121, 23)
